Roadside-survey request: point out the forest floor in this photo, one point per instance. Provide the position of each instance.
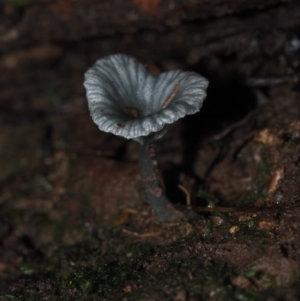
(74, 222)
(75, 225)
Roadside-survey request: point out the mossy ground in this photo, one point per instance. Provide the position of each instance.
(74, 224)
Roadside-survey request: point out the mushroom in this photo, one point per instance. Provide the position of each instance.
(126, 100)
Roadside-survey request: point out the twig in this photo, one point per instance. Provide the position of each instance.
(187, 195)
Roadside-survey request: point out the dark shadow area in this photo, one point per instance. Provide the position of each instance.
(225, 104)
(171, 177)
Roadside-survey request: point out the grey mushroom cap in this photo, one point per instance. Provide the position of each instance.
(127, 100)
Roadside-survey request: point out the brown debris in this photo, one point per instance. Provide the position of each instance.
(241, 282)
(266, 225)
(172, 95)
(217, 220)
(278, 174)
(187, 195)
(129, 288)
(234, 229)
(243, 218)
(267, 138)
(148, 6)
(157, 191)
(132, 112)
(181, 296)
(33, 56)
(281, 270)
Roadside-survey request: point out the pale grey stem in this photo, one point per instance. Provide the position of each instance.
(153, 182)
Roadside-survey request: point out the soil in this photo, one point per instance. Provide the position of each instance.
(74, 222)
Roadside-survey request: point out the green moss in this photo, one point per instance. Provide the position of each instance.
(207, 231)
(151, 273)
(248, 198)
(193, 276)
(206, 197)
(11, 297)
(246, 231)
(83, 269)
(253, 235)
(252, 223)
(35, 268)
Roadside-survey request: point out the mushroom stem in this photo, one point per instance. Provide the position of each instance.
(153, 182)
